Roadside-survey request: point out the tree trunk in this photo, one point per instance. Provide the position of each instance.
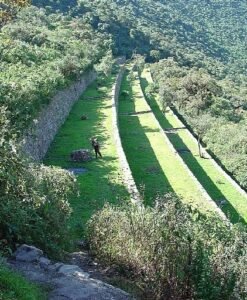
(199, 146)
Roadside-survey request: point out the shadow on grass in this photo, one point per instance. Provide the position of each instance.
(192, 163)
(144, 165)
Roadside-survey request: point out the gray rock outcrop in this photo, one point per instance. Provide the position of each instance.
(68, 282)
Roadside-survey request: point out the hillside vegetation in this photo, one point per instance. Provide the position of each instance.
(196, 52)
(215, 109)
(41, 53)
(193, 32)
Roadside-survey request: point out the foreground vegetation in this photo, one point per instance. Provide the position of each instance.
(172, 252)
(14, 287)
(34, 205)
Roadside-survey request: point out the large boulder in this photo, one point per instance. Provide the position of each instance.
(81, 155)
(27, 253)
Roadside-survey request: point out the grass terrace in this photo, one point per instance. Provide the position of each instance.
(220, 189)
(154, 165)
(102, 178)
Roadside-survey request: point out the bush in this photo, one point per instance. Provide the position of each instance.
(172, 251)
(34, 204)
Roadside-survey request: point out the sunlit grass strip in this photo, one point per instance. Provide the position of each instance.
(154, 165)
(232, 202)
(103, 180)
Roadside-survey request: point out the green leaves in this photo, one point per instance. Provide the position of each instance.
(41, 53)
(172, 251)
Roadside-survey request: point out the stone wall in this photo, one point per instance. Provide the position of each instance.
(37, 139)
(126, 172)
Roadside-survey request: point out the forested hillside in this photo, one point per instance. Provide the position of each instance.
(40, 53)
(192, 32)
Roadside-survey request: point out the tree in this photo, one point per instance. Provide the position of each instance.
(138, 62)
(166, 97)
(201, 126)
(200, 89)
(155, 54)
(106, 64)
(9, 8)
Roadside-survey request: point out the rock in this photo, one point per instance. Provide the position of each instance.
(89, 289)
(55, 267)
(222, 202)
(81, 155)
(73, 270)
(84, 117)
(68, 282)
(44, 262)
(27, 253)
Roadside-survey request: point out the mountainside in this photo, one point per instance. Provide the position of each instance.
(184, 86)
(193, 32)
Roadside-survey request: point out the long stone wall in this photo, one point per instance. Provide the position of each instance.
(126, 172)
(37, 139)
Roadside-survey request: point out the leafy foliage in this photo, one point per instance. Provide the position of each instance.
(171, 251)
(40, 53)
(9, 8)
(193, 33)
(33, 199)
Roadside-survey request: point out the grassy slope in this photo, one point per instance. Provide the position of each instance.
(153, 163)
(15, 287)
(103, 181)
(217, 186)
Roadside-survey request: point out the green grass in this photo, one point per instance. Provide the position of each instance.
(153, 163)
(103, 181)
(216, 185)
(15, 287)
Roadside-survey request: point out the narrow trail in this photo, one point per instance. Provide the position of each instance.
(223, 190)
(153, 163)
(102, 180)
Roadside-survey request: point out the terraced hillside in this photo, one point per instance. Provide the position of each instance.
(155, 166)
(226, 194)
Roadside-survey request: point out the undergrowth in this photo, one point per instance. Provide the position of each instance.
(172, 251)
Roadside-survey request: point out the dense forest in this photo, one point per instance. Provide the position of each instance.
(197, 54)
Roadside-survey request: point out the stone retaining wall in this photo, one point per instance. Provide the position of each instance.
(126, 172)
(37, 139)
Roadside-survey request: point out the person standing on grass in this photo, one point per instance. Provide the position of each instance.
(96, 146)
